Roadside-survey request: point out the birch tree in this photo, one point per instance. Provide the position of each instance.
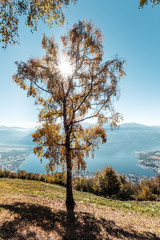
(72, 85)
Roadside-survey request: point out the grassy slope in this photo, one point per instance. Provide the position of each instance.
(36, 210)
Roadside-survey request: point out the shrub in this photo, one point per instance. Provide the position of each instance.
(122, 178)
(96, 184)
(1, 173)
(22, 174)
(36, 176)
(157, 178)
(157, 183)
(42, 177)
(30, 176)
(126, 191)
(153, 186)
(33, 176)
(149, 189)
(57, 178)
(49, 178)
(60, 178)
(109, 182)
(77, 183)
(82, 184)
(13, 175)
(144, 194)
(6, 173)
(89, 185)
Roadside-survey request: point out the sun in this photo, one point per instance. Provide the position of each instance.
(65, 68)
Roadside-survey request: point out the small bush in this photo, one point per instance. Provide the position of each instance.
(96, 184)
(60, 178)
(30, 176)
(36, 176)
(22, 174)
(13, 175)
(88, 185)
(82, 184)
(126, 192)
(33, 176)
(109, 182)
(49, 178)
(77, 183)
(42, 177)
(1, 173)
(122, 179)
(6, 173)
(57, 178)
(144, 194)
(154, 185)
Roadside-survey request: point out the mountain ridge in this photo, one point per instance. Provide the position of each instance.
(23, 136)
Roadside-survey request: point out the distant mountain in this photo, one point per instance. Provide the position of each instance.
(133, 125)
(15, 135)
(125, 132)
(133, 132)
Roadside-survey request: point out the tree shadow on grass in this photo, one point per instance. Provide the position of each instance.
(37, 222)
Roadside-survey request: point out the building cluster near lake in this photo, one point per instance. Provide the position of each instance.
(12, 159)
(130, 177)
(150, 160)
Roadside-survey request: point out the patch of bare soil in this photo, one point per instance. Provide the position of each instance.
(24, 217)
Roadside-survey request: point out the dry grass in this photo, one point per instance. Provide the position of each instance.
(27, 214)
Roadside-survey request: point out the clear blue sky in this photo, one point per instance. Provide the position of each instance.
(131, 33)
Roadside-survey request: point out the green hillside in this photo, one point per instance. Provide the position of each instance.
(36, 210)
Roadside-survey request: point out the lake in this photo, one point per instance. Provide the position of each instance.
(119, 152)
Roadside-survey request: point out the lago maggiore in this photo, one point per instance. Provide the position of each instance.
(124, 150)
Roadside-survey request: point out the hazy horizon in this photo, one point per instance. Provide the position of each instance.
(31, 125)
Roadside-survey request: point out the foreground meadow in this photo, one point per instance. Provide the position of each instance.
(36, 210)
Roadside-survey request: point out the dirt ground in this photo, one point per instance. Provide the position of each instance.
(25, 217)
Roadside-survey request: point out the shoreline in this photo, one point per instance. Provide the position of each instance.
(149, 160)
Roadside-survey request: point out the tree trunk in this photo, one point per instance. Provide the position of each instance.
(69, 193)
